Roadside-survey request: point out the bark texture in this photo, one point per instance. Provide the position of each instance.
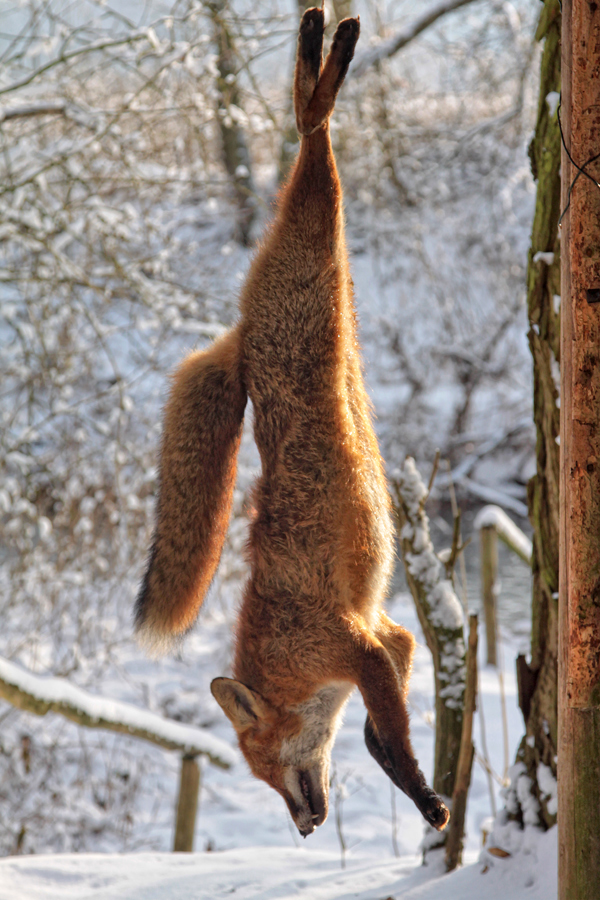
(579, 639)
(538, 681)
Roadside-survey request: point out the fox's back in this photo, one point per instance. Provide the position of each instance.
(321, 496)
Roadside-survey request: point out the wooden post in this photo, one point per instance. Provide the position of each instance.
(579, 613)
(488, 543)
(456, 829)
(187, 805)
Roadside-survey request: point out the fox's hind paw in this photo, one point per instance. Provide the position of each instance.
(344, 42)
(310, 41)
(315, 89)
(309, 61)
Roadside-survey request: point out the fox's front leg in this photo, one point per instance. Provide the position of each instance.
(387, 727)
(400, 644)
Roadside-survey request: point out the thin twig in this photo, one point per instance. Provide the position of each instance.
(394, 820)
(434, 471)
(504, 713)
(486, 756)
(462, 563)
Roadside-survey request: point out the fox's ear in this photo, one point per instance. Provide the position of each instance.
(242, 706)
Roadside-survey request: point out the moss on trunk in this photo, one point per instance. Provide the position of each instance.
(543, 301)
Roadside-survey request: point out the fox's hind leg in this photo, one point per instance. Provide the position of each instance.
(316, 88)
(309, 61)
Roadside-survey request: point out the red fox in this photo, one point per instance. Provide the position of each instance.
(312, 625)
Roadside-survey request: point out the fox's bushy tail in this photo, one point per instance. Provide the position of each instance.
(201, 437)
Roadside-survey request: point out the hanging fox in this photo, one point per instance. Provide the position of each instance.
(312, 624)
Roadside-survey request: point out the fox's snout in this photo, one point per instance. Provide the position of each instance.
(307, 799)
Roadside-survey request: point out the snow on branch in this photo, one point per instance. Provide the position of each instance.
(441, 616)
(442, 605)
(39, 695)
(507, 531)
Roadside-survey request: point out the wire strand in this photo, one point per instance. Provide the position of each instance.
(580, 169)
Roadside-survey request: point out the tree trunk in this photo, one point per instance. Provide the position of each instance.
(538, 681)
(579, 638)
(236, 154)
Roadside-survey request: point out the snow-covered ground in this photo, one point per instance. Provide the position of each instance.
(258, 873)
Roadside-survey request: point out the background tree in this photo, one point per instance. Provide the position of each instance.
(538, 679)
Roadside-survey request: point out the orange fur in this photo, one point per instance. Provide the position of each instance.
(201, 436)
(321, 544)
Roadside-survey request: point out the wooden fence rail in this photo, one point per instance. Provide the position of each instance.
(492, 523)
(39, 695)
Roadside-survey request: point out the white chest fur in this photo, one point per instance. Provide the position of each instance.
(321, 717)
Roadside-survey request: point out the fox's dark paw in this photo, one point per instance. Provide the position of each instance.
(434, 810)
(312, 27)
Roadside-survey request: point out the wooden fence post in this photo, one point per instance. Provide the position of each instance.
(488, 542)
(187, 805)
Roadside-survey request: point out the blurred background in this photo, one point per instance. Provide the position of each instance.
(141, 149)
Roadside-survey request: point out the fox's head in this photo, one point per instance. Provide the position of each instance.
(289, 748)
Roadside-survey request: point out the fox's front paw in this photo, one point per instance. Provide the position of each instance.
(434, 810)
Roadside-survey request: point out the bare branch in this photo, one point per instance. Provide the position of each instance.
(57, 107)
(434, 471)
(392, 45)
(66, 57)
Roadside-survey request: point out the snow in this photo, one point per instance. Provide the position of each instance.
(444, 609)
(59, 691)
(552, 99)
(521, 785)
(548, 787)
(259, 873)
(494, 517)
(541, 256)
(423, 564)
